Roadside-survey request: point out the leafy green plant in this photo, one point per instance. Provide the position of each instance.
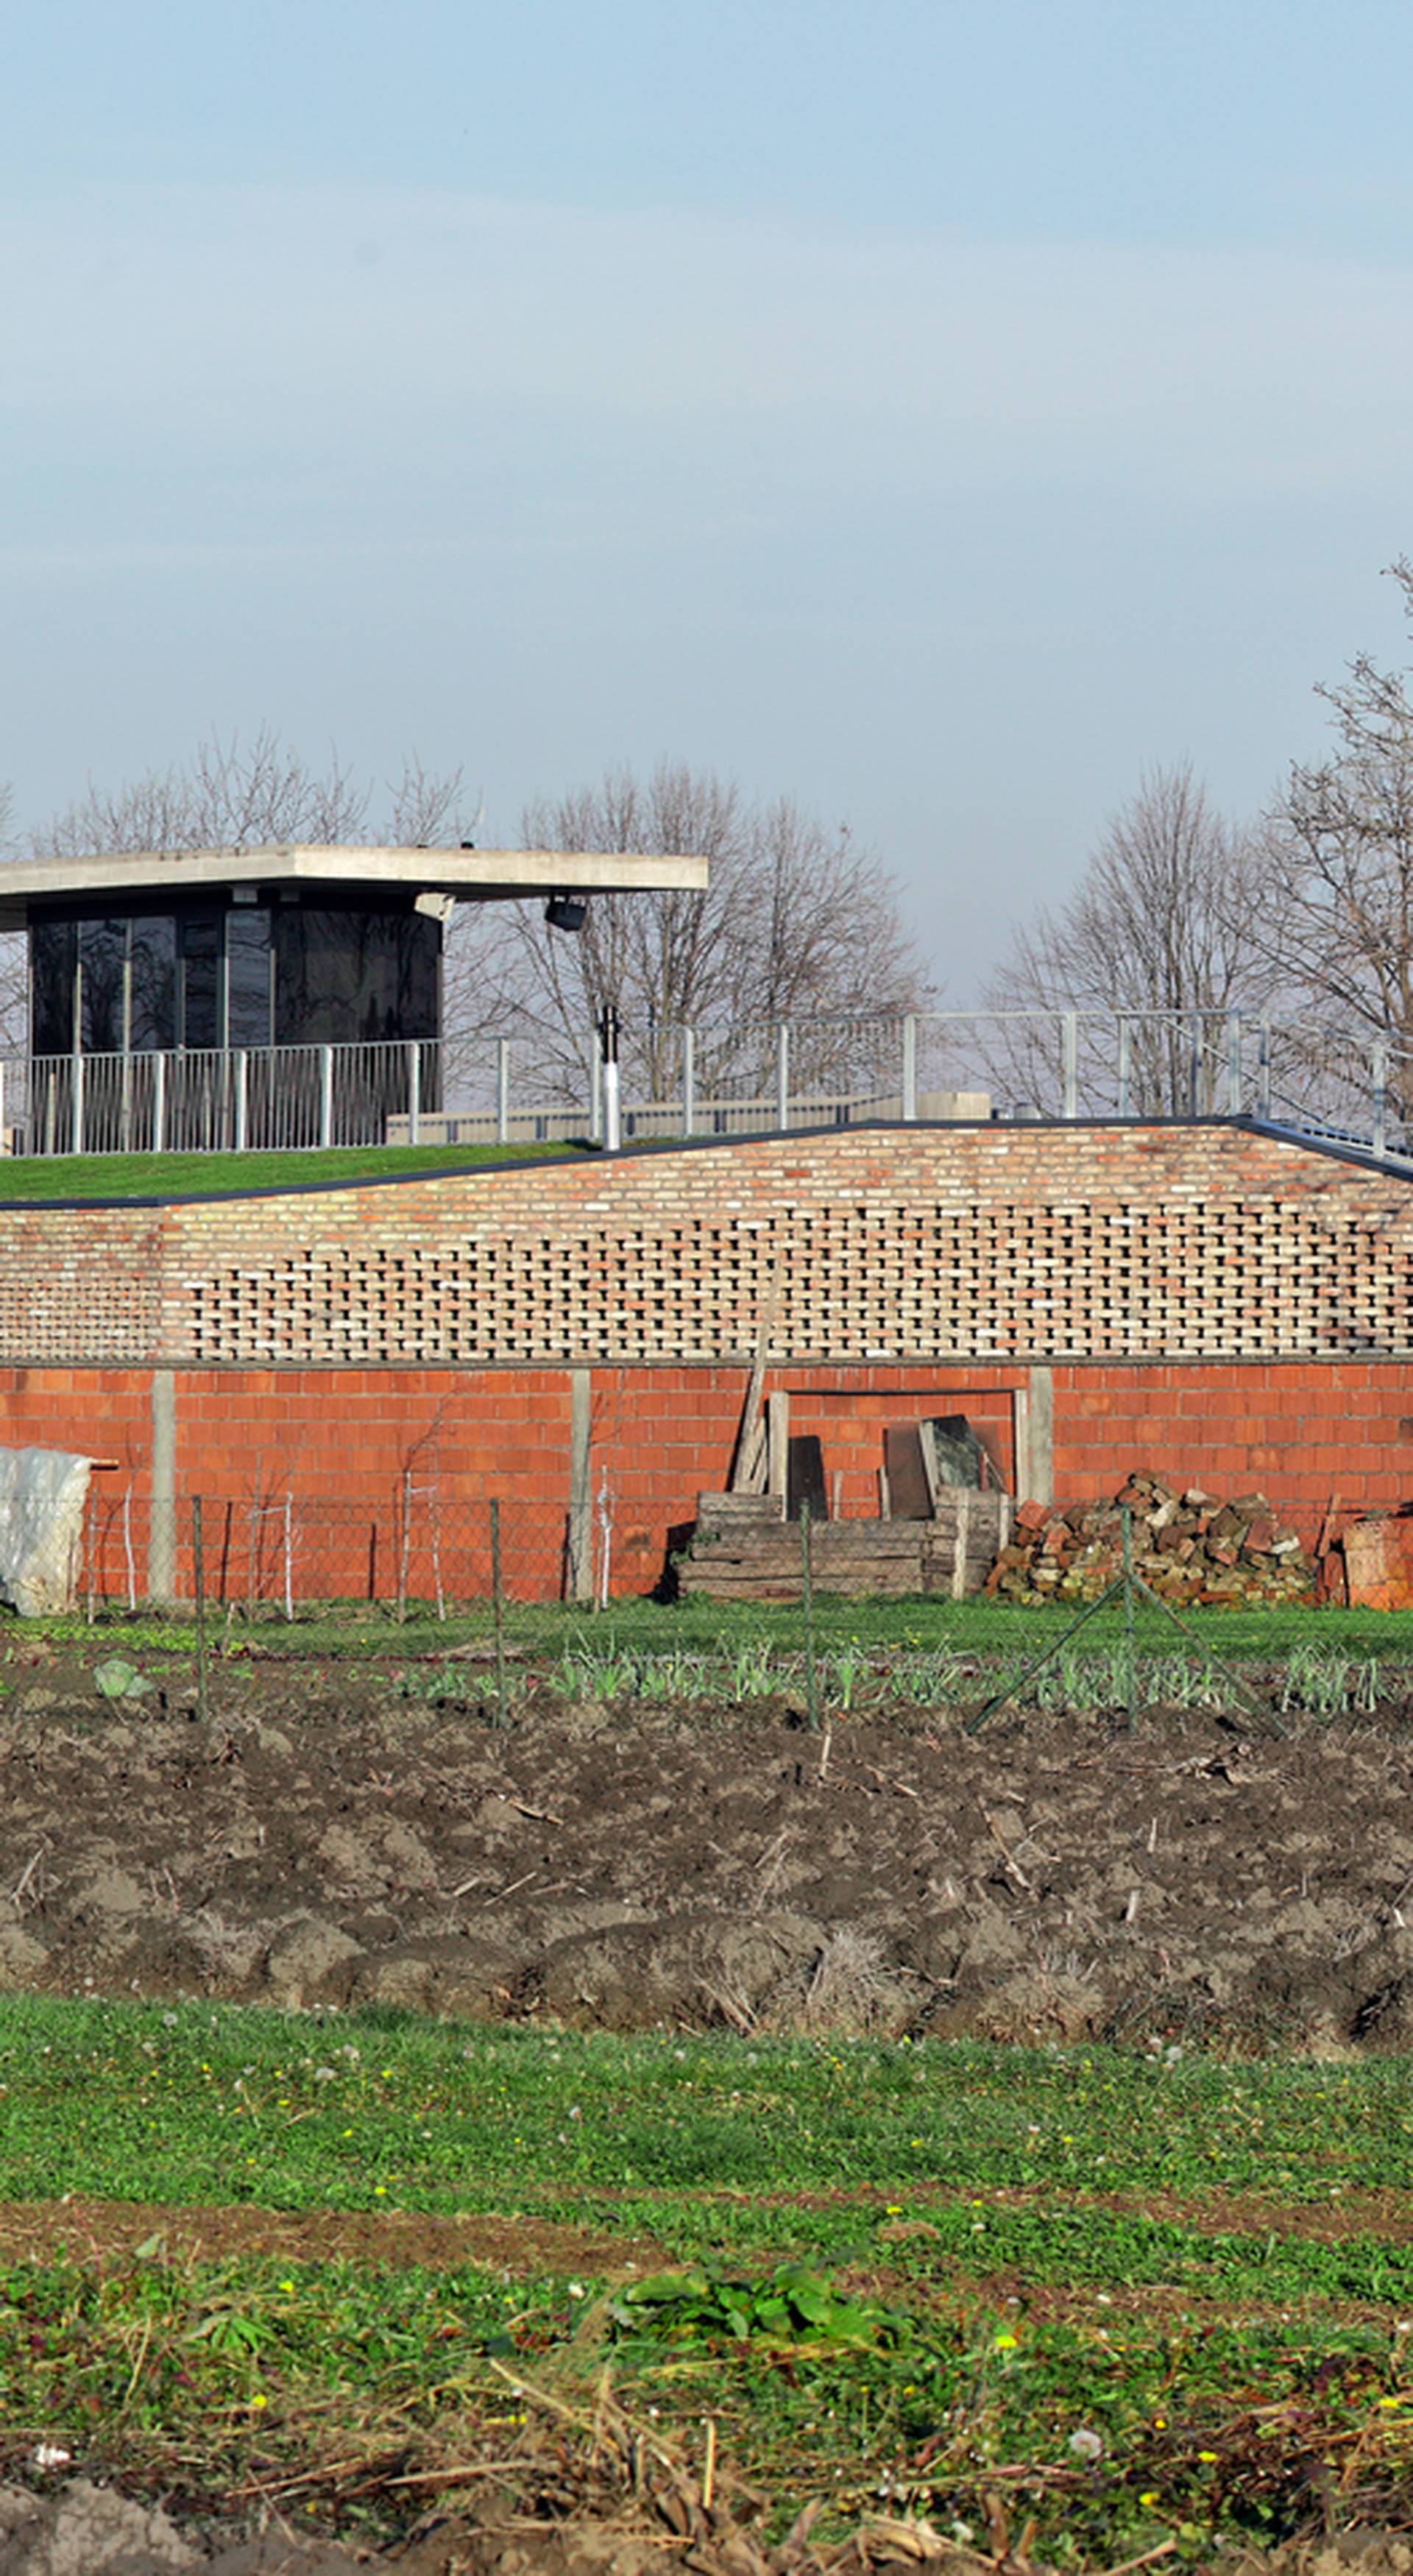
(787, 2306)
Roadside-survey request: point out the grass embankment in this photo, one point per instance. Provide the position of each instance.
(184, 1176)
(1140, 2299)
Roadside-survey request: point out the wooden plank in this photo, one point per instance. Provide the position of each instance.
(751, 1416)
(907, 1481)
(777, 1438)
(927, 1451)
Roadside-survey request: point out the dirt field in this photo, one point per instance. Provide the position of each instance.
(321, 1840)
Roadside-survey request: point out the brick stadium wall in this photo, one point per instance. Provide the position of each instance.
(1207, 1300)
(875, 1245)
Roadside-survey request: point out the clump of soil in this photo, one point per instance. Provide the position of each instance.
(321, 1841)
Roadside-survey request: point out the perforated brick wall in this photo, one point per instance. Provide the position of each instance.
(872, 1245)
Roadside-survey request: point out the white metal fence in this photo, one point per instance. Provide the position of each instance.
(745, 1080)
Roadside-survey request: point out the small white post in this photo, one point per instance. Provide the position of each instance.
(1378, 1066)
(689, 1081)
(1069, 1037)
(502, 1091)
(608, 1050)
(782, 1076)
(240, 1100)
(414, 1092)
(1263, 1072)
(1234, 1064)
(159, 1104)
(76, 1106)
(1125, 1051)
(910, 1067)
(326, 1096)
(595, 1095)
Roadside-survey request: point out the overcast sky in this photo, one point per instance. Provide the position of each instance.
(936, 410)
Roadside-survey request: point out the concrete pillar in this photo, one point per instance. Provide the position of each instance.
(1035, 1437)
(581, 1502)
(162, 1526)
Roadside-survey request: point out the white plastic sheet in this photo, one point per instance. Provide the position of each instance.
(43, 1496)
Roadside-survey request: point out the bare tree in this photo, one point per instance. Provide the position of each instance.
(796, 922)
(14, 950)
(1343, 835)
(1168, 925)
(239, 796)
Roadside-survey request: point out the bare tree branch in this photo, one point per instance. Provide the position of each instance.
(795, 922)
(1170, 918)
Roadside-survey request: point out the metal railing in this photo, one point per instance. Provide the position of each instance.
(751, 1079)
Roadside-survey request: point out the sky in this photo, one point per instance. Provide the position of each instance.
(939, 411)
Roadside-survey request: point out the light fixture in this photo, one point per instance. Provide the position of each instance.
(566, 912)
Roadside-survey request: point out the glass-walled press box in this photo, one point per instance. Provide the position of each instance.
(255, 970)
(284, 996)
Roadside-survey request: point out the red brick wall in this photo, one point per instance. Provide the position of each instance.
(1300, 1433)
(356, 1451)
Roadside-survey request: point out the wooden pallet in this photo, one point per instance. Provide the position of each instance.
(740, 1553)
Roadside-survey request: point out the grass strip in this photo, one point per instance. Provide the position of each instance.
(205, 2102)
(169, 1177)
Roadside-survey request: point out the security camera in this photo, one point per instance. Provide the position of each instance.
(566, 912)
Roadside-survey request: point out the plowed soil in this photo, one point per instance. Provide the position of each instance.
(319, 1840)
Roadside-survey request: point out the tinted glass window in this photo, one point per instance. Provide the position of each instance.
(153, 1020)
(201, 983)
(103, 957)
(248, 976)
(345, 977)
(53, 947)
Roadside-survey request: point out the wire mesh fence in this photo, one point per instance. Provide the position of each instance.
(512, 1596)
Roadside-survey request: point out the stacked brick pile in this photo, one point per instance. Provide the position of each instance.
(1189, 1548)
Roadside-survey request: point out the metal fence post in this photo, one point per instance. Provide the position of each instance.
(1125, 1050)
(595, 1093)
(240, 1100)
(910, 1067)
(414, 1092)
(1378, 1066)
(198, 1567)
(1069, 1039)
(502, 1091)
(76, 1106)
(1234, 1064)
(159, 1104)
(1194, 1065)
(689, 1082)
(782, 1076)
(1263, 1067)
(326, 1096)
(498, 1614)
(807, 1605)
